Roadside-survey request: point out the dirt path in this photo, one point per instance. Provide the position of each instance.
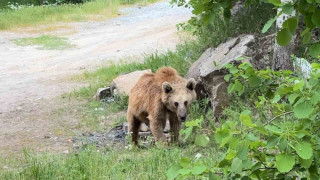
(30, 78)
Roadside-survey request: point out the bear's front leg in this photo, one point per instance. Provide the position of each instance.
(156, 126)
(175, 125)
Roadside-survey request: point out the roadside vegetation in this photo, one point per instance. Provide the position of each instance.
(45, 42)
(20, 15)
(153, 162)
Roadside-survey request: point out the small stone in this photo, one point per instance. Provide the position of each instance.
(102, 93)
(143, 127)
(47, 136)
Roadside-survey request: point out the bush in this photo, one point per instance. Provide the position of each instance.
(276, 135)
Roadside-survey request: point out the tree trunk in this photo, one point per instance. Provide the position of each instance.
(282, 54)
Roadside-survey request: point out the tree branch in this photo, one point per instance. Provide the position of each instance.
(277, 117)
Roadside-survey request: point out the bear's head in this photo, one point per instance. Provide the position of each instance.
(177, 96)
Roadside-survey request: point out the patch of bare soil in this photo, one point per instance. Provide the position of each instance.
(32, 79)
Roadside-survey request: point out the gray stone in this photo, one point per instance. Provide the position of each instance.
(213, 59)
(209, 73)
(102, 93)
(144, 128)
(125, 82)
(219, 99)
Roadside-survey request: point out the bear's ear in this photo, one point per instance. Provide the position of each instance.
(191, 84)
(167, 88)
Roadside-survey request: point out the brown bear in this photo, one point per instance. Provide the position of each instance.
(158, 97)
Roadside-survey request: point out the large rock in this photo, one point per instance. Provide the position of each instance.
(213, 59)
(125, 82)
(209, 73)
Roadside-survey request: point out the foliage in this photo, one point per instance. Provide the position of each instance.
(277, 135)
(207, 11)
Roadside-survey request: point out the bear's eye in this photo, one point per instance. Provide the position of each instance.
(186, 103)
(176, 104)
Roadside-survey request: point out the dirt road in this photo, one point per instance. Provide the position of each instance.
(30, 78)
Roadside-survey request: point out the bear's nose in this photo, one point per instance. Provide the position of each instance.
(183, 119)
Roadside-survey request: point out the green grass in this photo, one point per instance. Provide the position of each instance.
(46, 15)
(45, 42)
(38, 15)
(117, 164)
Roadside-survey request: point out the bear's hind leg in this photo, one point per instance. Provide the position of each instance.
(133, 126)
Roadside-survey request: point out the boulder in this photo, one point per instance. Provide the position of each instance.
(219, 99)
(209, 73)
(102, 93)
(125, 82)
(213, 59)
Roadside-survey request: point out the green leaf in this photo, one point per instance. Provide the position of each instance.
(246, 119)
(202, 140)
(269, 23)
(227, 77)
(284, 162)
(221, 134)
(276, 98)
(316, 17)
(273, 129)
(284, 36)
(287, 8)
(236, 165)
(231, 154)
(173, 172)
(315, 50)
(306, 163)
(298, 85)
(315, 98)
(275, 2)
(187, 132)
(304, 150)
(254, 81)
(198, 169)
(291, 24)
(185, 162)
(184, 171)
(303, 110)
(283, 143)
(305, 31)
(238, 87)
(272, 142)
(243, 152)
(306, 38)
(292, 98)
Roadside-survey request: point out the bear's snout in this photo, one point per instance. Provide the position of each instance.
(183, 118)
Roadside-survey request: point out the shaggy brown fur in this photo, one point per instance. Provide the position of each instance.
(157, 97)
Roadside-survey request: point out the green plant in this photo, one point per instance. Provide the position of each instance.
(206, 12)
(277, 135)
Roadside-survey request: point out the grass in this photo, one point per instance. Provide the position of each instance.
(91, 163)
(46, 15)
(45, 42)
(151, 163)
(38, 15)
